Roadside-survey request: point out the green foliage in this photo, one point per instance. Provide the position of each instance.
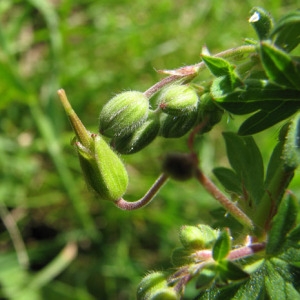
(57, 241)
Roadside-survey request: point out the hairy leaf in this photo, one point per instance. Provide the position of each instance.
(222, 246)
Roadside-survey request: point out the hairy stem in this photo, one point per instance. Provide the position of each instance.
(193, 70)
(125, 205)
(210, 187)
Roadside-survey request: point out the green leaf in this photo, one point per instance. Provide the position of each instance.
(255, 94)
(291, 152)
(286, 32)
(229, 179)
(218, 66)
(222, 246)
(231, 271)
(280, 66)
(245, 158)
(282, 223)
(273, 278)
(206, 276)
(265, 119)
(274, 162)
(262, 22)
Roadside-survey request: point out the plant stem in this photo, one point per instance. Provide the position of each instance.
(236, 212)
(193, 70)
(125, 205)
(235, 254)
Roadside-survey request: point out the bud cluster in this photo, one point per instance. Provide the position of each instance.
(132, 124)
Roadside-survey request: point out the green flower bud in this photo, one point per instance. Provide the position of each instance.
(178, 99)
(123, 113)
(197, 237)
(140, 138)
(151, 283)
(165, 294)
(103, 170)
(177, 126)
(179, 166)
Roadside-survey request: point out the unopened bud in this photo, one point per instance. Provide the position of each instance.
(165, 294)
(140, 138)
(150, 284)
(178, 99)
(177, 126)
(123, 113)
(103, 170)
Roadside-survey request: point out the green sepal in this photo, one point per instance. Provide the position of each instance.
(222, 246)
(291, 152)
(286, 32)
(230, 271)
(177, 126)
(262, 22)
(103, 170)
(279, 66)
(140, 138)
(123, 113)
(282, 223)
(206, 277)
(178, 99)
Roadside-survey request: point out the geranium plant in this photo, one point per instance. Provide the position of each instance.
(253, 251)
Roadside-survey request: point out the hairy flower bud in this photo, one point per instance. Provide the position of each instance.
(123, 113)
(167, 293)
(178, 99)
(140, 138)
(103, 170)
(150, 284)
(197, 237)
(177, 126)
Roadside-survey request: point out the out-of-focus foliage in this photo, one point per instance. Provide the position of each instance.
(95, 49)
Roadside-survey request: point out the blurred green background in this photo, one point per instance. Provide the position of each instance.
(95, 49)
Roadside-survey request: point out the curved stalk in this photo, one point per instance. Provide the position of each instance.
(126, 205)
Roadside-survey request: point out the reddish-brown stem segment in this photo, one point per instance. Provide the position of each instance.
(125, 205)
(235, 254)
(223, 200)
